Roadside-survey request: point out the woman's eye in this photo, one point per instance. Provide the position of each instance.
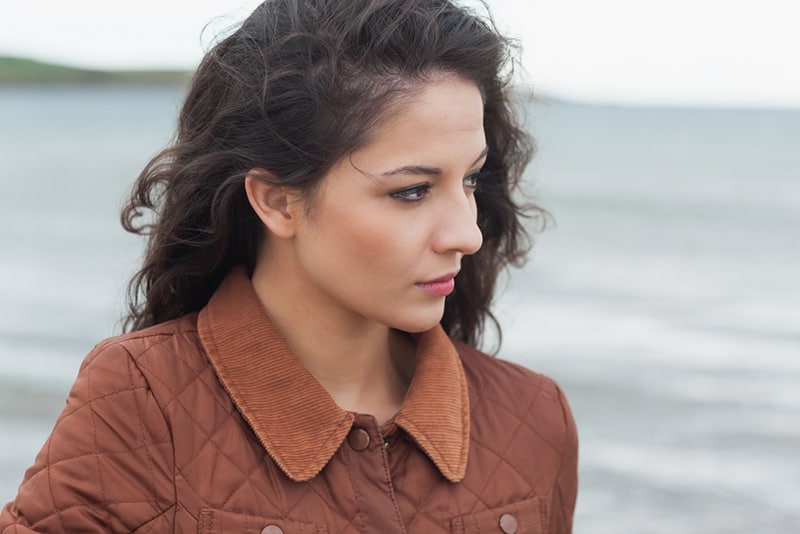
(471, 181)
(412, 194)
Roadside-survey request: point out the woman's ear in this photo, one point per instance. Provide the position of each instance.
(275, 205)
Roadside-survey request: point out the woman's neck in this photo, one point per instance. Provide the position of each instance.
(365, 366)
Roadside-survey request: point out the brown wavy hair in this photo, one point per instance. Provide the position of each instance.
(300, 85)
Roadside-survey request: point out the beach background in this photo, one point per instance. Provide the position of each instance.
(664, 297)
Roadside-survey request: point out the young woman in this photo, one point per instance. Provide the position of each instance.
(327, 230)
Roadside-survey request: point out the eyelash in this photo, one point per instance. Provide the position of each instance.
(475, 179)
(420, 191)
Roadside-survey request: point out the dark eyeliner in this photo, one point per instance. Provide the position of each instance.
(474, 177)
(414, 189)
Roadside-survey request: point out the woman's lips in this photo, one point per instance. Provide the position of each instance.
(440, 287)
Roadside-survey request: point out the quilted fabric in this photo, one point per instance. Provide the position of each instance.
(165, 430)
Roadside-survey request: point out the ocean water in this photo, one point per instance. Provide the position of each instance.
(664, 297)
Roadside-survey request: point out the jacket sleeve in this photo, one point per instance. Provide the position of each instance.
(107, 465)
(565, 492)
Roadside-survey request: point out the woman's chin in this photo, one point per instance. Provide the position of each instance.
(418, 324)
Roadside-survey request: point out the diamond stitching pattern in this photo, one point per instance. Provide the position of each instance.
(84, 407)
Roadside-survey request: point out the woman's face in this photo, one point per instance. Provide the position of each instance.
(386, 233)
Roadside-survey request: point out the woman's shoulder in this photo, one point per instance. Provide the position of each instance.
(494, 373)
(154, 350)
(512, 395)
(140, 342)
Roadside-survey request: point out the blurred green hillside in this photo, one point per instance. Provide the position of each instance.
(15, 70)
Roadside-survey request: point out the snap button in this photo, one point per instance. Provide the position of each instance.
(358, 439)
(272, 529)
(508, 523)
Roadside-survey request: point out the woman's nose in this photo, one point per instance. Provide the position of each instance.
(458, 227)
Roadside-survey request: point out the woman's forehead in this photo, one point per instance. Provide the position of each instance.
(441, 112)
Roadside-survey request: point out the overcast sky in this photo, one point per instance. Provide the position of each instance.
(680, 52)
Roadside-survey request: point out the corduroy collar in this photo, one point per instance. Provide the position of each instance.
(295, 418)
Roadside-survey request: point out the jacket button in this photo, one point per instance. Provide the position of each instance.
(272, 529)
(358, 439)
(508, 523)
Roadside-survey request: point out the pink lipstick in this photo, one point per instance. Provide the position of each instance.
(440, 287)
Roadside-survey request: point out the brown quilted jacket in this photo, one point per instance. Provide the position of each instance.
(209, 424)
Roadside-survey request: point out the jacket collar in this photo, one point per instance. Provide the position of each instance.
(294, 417)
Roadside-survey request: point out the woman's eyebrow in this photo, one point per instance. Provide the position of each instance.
(425, 170)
